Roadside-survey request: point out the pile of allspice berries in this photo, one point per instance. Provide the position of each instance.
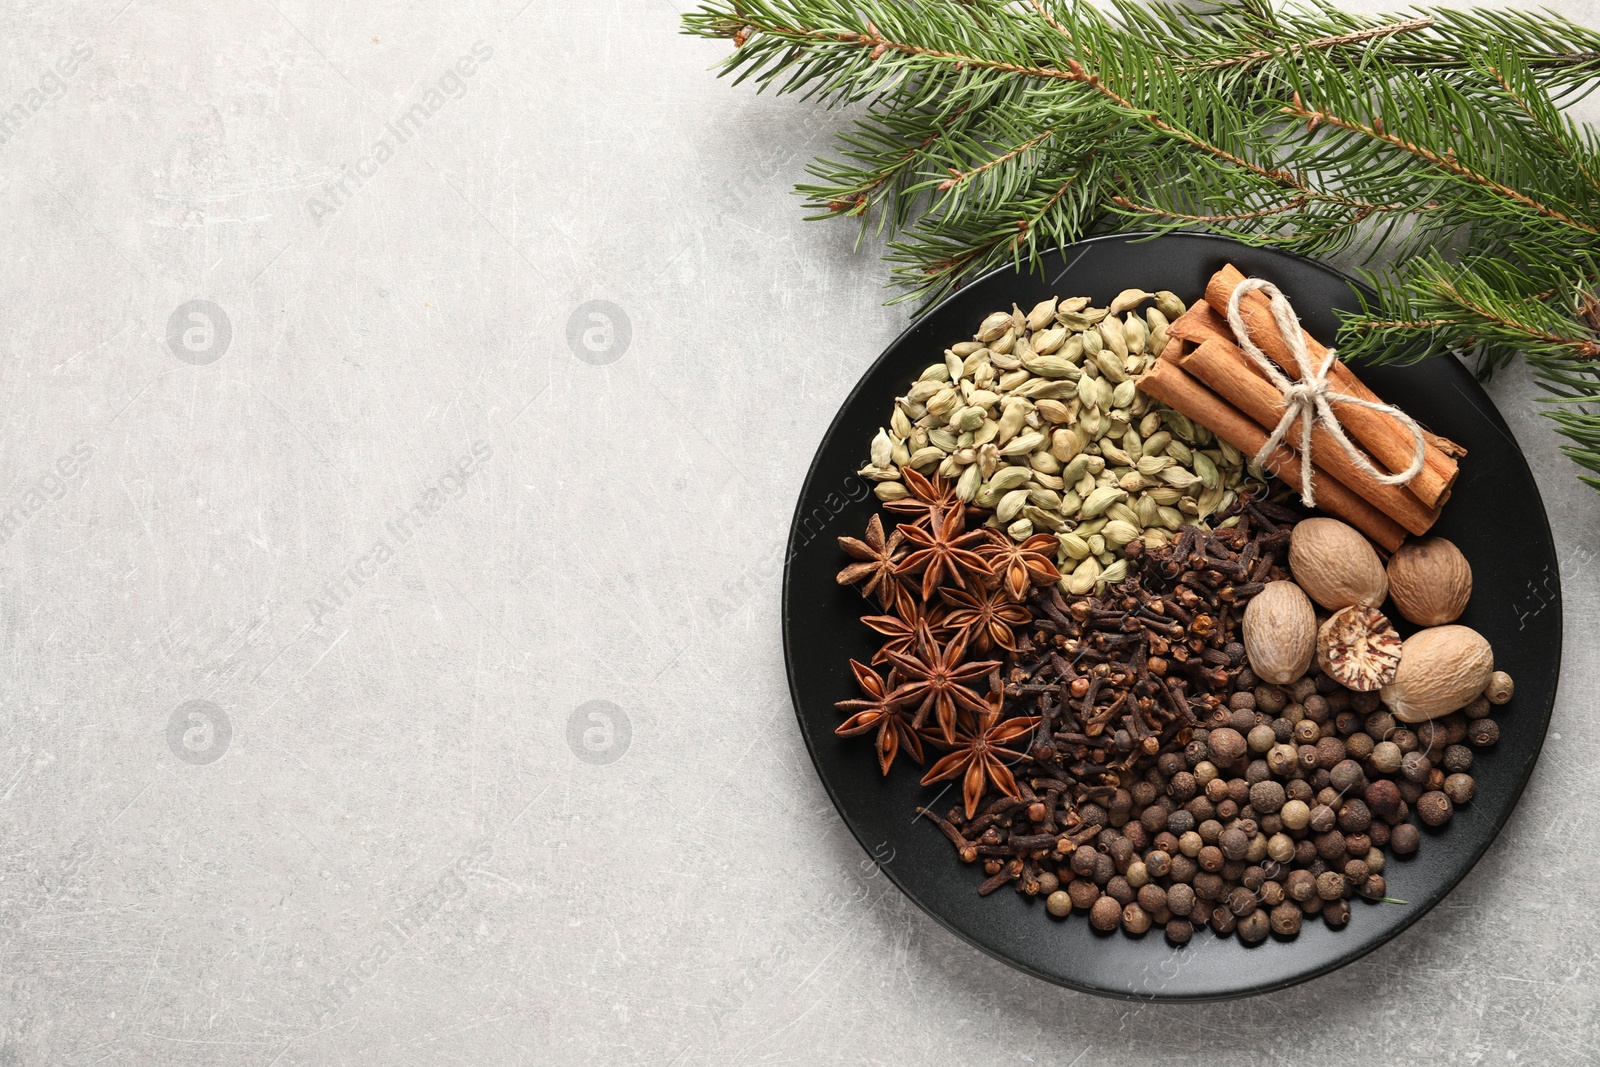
(1286, 804)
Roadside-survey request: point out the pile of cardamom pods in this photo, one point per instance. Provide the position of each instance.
(1038, 418)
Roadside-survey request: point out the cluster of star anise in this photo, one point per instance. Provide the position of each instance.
(952, 592)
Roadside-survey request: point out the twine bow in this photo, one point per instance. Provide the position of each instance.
(1310, 400)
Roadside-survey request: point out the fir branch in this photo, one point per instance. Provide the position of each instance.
(997, 129)
(1444, 162)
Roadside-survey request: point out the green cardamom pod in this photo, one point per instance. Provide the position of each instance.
(1170, 305)
(1044, 462)
(1127, 300)
(1054, 411)
(994, 327)
(1047, 341)
(1110, 364)
(1101, 499)
(888, 492)
(1010, 505)
(1023, 444)
(882, 448)
(1114, 455)
(1112, 334)
(968, 484)
(1043, 313)
(1118, 533)
(1135, 334)
(1051, 367)
(1007, 478)
(1121, 512)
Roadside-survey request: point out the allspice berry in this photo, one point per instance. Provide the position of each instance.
(1482, 732)
(1135, 920)
(1179, 931)
(1460, 788)
(1300, 885)
(1383, 798)
(1434, 808)
(1500, 687)
(1285, 919)
(1083, 894)
(1331, 885)
(1241, 902)
(1226, 745)
(1254, 927)
(1058, 904)
(1386, 757)
(1180, 899)
(1404, 839)
(1296, 815)
(1267, 797)
(1106, 915)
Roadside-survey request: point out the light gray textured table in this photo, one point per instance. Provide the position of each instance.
(494, 761)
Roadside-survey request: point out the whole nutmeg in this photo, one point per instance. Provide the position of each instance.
(1336, 565)
(1441, 669)
(1500, 688)
(1359, 648)
(1430, 581)
(1280, 632)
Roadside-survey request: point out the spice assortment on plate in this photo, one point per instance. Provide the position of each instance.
(1164, 692)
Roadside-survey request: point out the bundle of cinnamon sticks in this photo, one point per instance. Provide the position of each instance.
(1203, 374)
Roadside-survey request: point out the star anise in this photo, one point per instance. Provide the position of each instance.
(938, 677)
(901, 628)
(929, 501)
(980, 755)
(988, 615)
(1020, 565)
(885, 711)
(879, 557)
(943, 549)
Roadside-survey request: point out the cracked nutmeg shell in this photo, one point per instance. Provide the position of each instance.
(1359, 648)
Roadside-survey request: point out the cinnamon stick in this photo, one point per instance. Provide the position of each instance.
(1228, 372)
(1172, 385)
(1382, 436)
(1200, 322)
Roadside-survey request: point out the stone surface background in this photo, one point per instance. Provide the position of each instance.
(517, 780)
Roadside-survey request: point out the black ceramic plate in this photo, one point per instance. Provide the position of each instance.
(1515, 604)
